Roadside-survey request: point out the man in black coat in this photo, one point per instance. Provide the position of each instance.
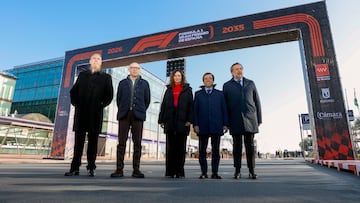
(210, 120)
(91, 93)
(243, 104)
(133, 99)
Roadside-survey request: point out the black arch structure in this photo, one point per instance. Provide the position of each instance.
(308, 24)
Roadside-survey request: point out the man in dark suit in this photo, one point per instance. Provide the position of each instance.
(210, 120)
(243, 104)
(133, 99)
(91, 93)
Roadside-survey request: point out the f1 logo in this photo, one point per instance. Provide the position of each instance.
(160, 41)
(322, 70)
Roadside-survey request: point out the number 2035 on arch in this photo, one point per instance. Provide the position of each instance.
(233, 28)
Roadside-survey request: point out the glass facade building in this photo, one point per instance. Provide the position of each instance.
(37, 87)
(37, 90)
(28, 134)
(7, 86)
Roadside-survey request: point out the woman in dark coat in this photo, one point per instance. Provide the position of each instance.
(176, 116)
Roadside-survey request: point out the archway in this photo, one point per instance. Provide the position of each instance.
(308, 24)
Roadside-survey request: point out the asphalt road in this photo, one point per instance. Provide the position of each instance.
(279, 181)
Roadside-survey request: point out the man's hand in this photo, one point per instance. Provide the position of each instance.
(196, 129)
(162, 125)
(225, 129)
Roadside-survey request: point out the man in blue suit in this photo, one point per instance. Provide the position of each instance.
(210, 120)
(243, 104)
(133, 99)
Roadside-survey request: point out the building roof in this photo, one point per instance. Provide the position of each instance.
(8, 120)
(155, 76)
(37, 63)
(35, 117)
(8, 75)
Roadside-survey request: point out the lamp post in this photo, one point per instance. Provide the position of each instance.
(157, 136)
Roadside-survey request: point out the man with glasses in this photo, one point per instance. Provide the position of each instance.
(133, 99)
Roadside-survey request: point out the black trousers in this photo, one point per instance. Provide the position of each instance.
(136, 126)
(215, 152)
(249, 149)
(79, 147)
(175, 154)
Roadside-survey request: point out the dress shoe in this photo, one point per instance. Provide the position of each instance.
(137, 174)
(179, 176)
(203, 176)
(215, 176)
(252, 176)
(72, 173)
(117, 174)
(170, 176)
(91, 173)
(237, 176)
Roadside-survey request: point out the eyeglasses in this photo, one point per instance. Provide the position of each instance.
(135, 67)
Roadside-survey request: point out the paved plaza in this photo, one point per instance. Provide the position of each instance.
(279, 181)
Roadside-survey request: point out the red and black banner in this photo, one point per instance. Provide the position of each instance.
(308, 24)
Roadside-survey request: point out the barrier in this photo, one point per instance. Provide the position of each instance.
(344, 165)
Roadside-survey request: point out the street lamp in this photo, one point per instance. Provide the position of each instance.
(157, 136)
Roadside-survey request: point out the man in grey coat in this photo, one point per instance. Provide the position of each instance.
(244, 112)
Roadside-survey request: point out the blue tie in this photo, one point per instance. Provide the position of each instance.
(240, 83)
(208, 91)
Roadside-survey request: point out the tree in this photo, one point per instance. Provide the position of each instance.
(307, 144)
(356, 125)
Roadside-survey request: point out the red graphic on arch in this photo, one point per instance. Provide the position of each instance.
(322, 70)
(314, 28)
(75, 58)
(161, 41)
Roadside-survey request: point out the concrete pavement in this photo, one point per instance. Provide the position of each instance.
(279, 181)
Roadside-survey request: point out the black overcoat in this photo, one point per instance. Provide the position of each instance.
(243, 104)
(89, 95)
(174, 119)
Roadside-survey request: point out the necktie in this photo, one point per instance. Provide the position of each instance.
(240, 83)
(208, 91)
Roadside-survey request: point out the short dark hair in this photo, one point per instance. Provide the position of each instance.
(208, 73)
(237, 63)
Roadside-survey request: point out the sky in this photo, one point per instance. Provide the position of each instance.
(40, 29)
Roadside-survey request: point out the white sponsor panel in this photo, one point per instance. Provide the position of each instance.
(329, 115)
(326, 96)
(192, 35)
